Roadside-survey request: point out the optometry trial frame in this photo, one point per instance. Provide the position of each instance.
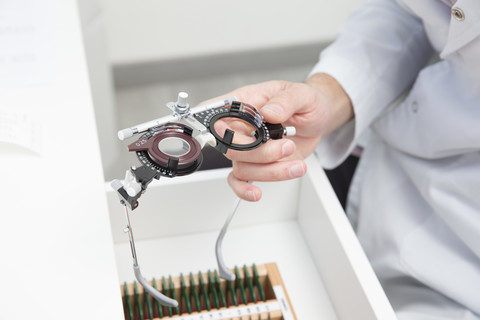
(172, 146)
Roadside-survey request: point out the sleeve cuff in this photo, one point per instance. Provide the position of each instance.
(334, 148)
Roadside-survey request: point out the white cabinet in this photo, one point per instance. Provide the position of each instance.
(57, 253)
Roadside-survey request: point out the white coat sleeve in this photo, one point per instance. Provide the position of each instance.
(376, 56)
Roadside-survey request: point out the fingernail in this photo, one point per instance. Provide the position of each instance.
(273, 109)
(288, 148)
(250, 195)
(297, 171)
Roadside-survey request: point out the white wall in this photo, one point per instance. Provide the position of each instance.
(149, 30)
(101, 83)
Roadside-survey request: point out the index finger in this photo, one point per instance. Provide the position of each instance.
(256, 95)
(294, 101)
(269, 152)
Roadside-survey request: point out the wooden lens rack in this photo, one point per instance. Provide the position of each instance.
(258, 293)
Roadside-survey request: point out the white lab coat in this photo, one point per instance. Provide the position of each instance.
(415, 198)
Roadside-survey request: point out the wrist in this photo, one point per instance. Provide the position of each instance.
(340, 104)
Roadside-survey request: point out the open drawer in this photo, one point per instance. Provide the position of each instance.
(298, 224)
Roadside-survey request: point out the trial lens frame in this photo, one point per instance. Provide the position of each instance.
(171, 146)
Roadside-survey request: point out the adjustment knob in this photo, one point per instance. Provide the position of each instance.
(289, 131)
(181, 106)
(182, 99)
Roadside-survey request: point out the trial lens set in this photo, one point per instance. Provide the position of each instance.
(256, 293)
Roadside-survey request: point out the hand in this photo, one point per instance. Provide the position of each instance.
(314, 108)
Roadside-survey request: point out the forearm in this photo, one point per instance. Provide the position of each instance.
(341, 108)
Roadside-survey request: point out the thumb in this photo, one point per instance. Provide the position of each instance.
(294, 99)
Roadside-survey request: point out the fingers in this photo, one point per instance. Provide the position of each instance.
(278, 101)
(283, 102)
(242, 130)
(243, 189)
(255, 94)
(259, 94)
(295, 104)
(272, 151)
(296, 98)
(278, 171)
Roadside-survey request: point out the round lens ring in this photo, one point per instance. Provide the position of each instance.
(245, 132)
(174, 146)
